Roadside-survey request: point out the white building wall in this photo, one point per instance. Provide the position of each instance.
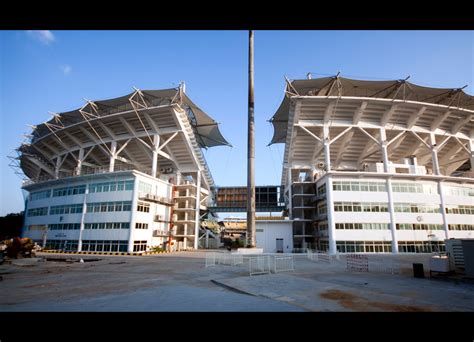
(420, 235)
(159, 187)
(269, 231)
(363, 235)
(359, 196)
(361, 217)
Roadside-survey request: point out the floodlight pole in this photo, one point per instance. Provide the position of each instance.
(251, 155)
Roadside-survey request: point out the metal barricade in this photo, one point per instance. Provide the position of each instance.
(237, 259)
(225, 259)
(210, 259)
(323, 257)
(283, 263)
(259, 265)
(357, 262)
(383, 265)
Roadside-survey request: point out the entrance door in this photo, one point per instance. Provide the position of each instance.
(279, 245)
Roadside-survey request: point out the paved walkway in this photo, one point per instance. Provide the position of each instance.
(181, 282)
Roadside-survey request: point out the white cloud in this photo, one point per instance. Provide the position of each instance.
(45, 37)
(66, 69)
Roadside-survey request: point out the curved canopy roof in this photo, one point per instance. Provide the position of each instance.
(339, 86)
(205, 128)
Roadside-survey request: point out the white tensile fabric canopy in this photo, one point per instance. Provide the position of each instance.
(339, 86)
(205, 128)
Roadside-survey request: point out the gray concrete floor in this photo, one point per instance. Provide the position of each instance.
(181, 282)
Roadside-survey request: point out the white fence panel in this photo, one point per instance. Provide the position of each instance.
(237, 259)
(210, 259)
(357, 262)
(281, 264)
(384, 265)
(259, 265)
(225, 259)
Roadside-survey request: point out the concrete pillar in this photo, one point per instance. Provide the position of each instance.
(443, 210)
(290, 194)
(434, 155)
(79, 162)
(471, 148)
(383, 146)
(84, 211)
(178, 177)
(156, 143)
(327, 151)
(133, 214)
(58, 165)
(391, 210)
(113, 149)
(330, 213)
(198, 208)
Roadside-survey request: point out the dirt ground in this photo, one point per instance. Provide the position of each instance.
(182, 282)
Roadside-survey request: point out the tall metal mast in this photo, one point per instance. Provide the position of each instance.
(251, 155)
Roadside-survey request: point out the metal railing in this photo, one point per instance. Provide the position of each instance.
(259, 265)
(283, 263)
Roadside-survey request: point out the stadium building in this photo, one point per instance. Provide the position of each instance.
(376, 166)
(121, 175)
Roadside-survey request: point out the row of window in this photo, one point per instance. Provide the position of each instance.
(104, 246)
(66, 209)
(69, 191)
(415, 188)
(378, 226)
(139, 225)
(461, 226)
(364, 246)
(81, 189)
(109, 206)
(144, 187)
(386, 247)
(421, 246)
(37, 195)
(358, 206)
(77, 208)
(64, 226)
(358, 186)
(37, 211)
(458, 191)
(400, 226)
(143, 206)
(399, 187)
(415, 226)
(111, 186)
(107, 225)
(416, 208)
(66, 245)
(460, 209)
(139, 246)
(322, 190)
(383, 207)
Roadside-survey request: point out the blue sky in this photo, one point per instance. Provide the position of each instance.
(54, 71)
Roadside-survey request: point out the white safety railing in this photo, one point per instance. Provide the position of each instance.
(384, 265)
(317, 256)
(224, 258)
(357, 262)
(259, 265)
(283, 263)
(237, 259)
(210, 259)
